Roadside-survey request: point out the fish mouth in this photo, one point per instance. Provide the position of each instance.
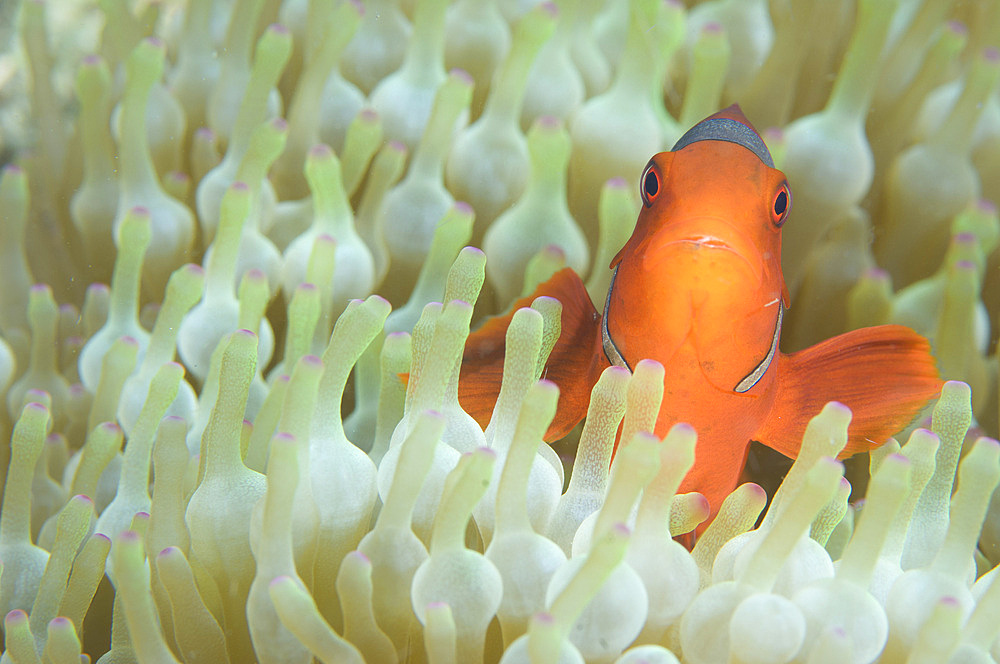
(710, 234)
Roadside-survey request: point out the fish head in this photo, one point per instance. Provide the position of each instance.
(703, 266)
(716, 190)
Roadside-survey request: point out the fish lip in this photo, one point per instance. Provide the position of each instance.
(717, 233)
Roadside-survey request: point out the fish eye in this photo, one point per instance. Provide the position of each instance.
(649, 185)
(781, 205)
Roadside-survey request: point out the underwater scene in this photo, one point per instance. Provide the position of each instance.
(448, 332)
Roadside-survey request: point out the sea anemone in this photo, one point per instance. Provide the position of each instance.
(225, 444)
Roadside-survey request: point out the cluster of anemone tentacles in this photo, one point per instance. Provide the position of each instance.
(180, 484)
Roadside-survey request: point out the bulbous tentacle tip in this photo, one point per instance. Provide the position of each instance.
(16, 617)
(462, 76)
(128, 537)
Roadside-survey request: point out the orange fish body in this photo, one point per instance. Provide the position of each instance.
(699, 288)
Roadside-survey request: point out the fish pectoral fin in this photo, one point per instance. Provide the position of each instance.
(575, 363)
(884, 374)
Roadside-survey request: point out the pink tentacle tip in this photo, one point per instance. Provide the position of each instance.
(896, 458)
(128, 536)
(279, 580)
(991, 54)
(280, 124)
(463, 208)
(712, 28)
(958, 28)
(683, 428)
(617, 182)
(548, 122)
(544, 619)
(360, 556)
(986, 440)
(621, 529)
(320, 151)
(40, 289)
(774, 134)
(16, 617)
(92, 60)
(398, 146)
(169, 551)
(284, 438)
(547, 384)
(625, 373)
(368, 115)
(486, 452)
(278, 28)
(555, 251)
(844, 410)
(38, 396)
(550, 8)
(462, 75)
(82, 498)
(986, 206)
(13, 169)
(155, 42)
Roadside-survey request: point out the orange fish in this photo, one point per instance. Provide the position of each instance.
(698, 287)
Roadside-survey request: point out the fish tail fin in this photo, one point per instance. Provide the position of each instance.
(884, 374)
(575, 363)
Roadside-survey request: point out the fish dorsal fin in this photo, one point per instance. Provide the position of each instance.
(728, 125)
(575, 363)
(884, 374)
